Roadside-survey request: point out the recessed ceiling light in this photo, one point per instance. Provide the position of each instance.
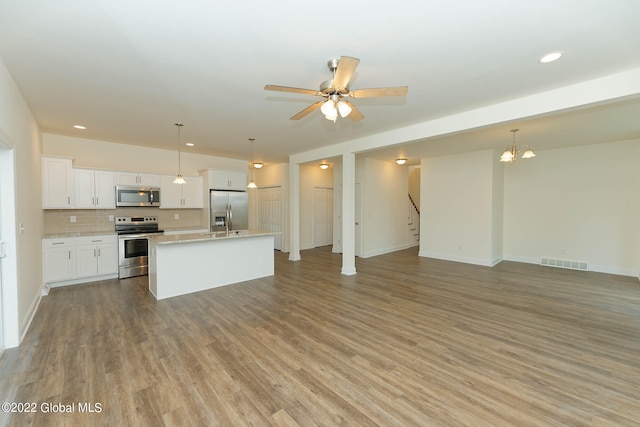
(189, 144)
(79, 127)
(550, 57)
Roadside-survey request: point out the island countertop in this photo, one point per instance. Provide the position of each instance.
(168, 239)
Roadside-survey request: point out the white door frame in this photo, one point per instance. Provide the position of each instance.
(9, 269)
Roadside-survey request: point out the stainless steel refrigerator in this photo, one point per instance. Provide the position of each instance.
(228, 207)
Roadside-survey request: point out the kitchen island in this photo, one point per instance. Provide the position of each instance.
(185, 263)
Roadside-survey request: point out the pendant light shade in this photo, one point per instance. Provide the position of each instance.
(252, 184)
(179, 179)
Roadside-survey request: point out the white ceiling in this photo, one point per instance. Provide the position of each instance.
(128, 70)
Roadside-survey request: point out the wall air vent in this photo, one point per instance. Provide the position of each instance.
(564, 263)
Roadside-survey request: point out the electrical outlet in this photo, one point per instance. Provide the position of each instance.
(110, 218)
(176, 216)
(72, 218)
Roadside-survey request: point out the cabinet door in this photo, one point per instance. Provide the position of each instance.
(84, 188)
(237, 181)
(107, 258)
(170, 193)
(126, 178)
(59, 263)
(149, 180)
(105, 190)
(86, 261)
(218, 180)
(57, 183)
(192, 196)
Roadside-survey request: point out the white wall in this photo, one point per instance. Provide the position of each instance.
(414, 184)
(385, 204)
(457, 220)
(110, 155)
(21, 283)
(580, 203)
(497, 218)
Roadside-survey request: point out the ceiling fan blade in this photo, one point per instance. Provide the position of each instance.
(355, 114)
(344, 72)
(381, 91)
(292, 89)
(311, 108)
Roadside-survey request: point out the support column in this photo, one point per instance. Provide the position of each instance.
(294, 212)
(348, 214)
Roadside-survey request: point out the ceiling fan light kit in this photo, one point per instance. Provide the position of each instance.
(510, 154)
(336, 89)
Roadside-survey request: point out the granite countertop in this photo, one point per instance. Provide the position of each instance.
(78, 234)
(201, 237)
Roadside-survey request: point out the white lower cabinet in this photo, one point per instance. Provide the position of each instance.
(96, 256)
(59, 259)
(79, 259)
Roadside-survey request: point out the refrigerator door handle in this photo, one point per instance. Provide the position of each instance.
(230, 218)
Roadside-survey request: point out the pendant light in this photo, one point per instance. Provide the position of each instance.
(252, 183)
(511, 153)
(179, 179)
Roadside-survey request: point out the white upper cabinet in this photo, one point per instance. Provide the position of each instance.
(141, 179)
(181, 196)
(57, 183)
(94, 189)
(224, 180)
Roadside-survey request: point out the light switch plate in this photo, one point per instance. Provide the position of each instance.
(72, 218)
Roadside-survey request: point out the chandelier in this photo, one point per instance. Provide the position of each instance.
(511, 153)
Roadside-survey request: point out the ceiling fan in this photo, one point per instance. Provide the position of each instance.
(337, 89)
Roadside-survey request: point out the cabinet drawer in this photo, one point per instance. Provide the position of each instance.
(97, 240)
(57, 242)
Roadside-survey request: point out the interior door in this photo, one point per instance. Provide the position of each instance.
(322, 216)
(358, 219)
(270, 213)
(2, 255)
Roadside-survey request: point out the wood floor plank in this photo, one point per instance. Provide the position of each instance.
(405, 341)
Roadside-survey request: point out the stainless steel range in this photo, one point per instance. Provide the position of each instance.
(133, 245)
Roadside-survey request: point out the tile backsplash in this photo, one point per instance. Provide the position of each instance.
(89, 220)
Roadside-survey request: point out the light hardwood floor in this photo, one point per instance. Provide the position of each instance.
(407, 341)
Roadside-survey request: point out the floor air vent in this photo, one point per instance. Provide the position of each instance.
(564, 263)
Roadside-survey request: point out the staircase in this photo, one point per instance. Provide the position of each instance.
(413, 220)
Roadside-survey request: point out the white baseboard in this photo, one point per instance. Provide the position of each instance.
(466, 260)
(80, 281)
(618, 271)
(387, 250)
(33, 308)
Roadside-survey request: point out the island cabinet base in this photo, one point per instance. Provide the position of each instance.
(184, 267)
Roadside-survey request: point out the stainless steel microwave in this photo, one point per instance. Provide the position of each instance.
(131, 195)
